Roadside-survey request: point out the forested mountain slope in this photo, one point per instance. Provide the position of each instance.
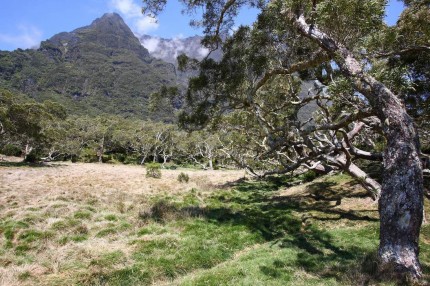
(100, 68)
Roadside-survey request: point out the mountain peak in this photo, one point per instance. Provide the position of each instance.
(109, 18)
(112, 15)
(108, 33)
(111, 23)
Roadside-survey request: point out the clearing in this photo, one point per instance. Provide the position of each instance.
(104, 224)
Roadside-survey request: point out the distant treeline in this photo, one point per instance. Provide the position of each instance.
(44, 131)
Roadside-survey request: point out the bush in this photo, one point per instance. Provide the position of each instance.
(32, 157)
(170, 166)
(153, 170)
(183, 178)
(88, 155)
(309, 176)
(11, 150)
(106, 158)
(120, 157)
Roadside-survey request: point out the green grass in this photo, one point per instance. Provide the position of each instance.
(75, 238)
(106, 232)
(249, 234)
(108, 259)
(82, 214)
(24, 276)
(111, 217)
(65, 224)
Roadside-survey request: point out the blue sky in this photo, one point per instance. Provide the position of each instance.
(24, 23)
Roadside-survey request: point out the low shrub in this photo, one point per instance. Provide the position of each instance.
(88, 155)
(32, 157)
(183, 178)
(106, 158)
(74, 158)
(153, 170)
(11, 150)
(309, 176)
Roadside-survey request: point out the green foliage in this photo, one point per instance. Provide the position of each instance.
(29, 236)
(183, 178)
(88, 155)
(33, 157)
(108, 259)
(153, 170)
(25, 122)
(309, 176)
(252, 233)
(11, 150)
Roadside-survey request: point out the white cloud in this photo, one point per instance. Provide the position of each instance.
(151, 44)
(145, 24)
(203, 52)
(179, 37)
(127, 7)
(132, 11)
(28, 37)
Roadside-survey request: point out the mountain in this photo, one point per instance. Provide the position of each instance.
(100, 68)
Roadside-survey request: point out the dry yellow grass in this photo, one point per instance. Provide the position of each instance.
(24, 187)
(111, 196)
(71, 224)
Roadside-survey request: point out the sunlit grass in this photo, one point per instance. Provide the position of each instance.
(234, 232)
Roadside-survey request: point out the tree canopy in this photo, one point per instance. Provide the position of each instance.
(360, 74)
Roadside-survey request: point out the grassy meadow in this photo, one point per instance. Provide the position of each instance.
(106, 224)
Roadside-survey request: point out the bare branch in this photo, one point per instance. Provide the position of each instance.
(315, 60)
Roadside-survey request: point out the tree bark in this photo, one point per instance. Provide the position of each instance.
(369, 184)
(165, 157)
(143, 160)
(401, 202)
(27, 150)
(101, 150)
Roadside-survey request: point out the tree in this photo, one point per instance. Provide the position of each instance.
(330, 42)
(29, 124)
(203, 148)
(407, 54)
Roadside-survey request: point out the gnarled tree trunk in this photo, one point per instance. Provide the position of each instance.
(401, 202)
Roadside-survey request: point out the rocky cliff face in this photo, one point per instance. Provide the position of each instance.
(100, 68)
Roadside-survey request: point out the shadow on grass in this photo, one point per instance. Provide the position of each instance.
(26, 164)
(285, 221)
